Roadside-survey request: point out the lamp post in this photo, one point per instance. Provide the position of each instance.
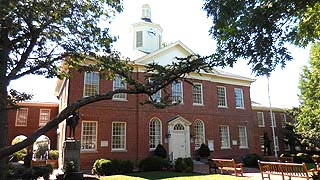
(272, 121)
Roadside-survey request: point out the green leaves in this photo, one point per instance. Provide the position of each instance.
(258, 31)
(308, 126)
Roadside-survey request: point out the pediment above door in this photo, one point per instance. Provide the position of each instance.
(179, 119)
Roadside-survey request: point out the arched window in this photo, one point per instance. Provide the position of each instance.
(178, 127)
(155, 134)
(198, 133)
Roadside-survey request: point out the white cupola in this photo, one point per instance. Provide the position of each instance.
(146, 35)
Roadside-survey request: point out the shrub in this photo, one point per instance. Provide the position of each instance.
(160, 151)
(53, 154)
(251, 160)
(41, 151)
(184, 165)
(303, 157)
(153, 163)
(204, 151)
(316, 158)
(108, 167)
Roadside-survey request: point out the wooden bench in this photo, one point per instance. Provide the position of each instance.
(225, 165)
(284, 169)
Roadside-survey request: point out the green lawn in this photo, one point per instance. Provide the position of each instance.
(171, 176)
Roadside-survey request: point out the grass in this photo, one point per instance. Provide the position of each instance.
(170, 176)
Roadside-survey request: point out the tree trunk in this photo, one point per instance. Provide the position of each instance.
(3, 109)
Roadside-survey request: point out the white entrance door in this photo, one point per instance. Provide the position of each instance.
(179, 141)
(179, 144)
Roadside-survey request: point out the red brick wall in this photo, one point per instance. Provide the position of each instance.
(137, 118)
(32, 122)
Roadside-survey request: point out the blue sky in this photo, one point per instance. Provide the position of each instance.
(185, 21)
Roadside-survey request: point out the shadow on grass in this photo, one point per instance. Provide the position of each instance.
(162, 174)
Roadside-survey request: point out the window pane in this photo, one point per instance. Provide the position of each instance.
(91, 84)
(224, 136)
(44, 116)
(197, 93)
(222, 98)
(118, 136)
(154, 133)
(89, 135)
(119, 84)
(283, 120)
(22, 117)
(243, 137)
(238, 97)
(260, 119)
(273, 122)
(177, 95)
(198, 133)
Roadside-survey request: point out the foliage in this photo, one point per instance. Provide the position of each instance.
(160, 151)
(19, 155)
(308, 124)
(259, 31)
(204, 151)
(42, 149)
(251, 160)
(303, 157)
(184, 165)
(53, 154)
(30, 173)
(108, 167)
(152, 163)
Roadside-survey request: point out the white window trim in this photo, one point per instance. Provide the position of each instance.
(96, 139)
(262, 115)
(155, 118)
(84, 85)
(242, 102)
(181, 84)
(41, 116)
(198, 104)
(113, 88)
(284, 120)
(246, 138)
(225, 97)
(125, 137)
(203, 133)
(17, 116)
(228, 133)
(274, 123)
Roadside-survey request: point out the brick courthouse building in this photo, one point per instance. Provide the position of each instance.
(216, 110)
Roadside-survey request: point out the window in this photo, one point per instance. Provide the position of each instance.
(224, 137)
(243, 139)
(22, 117)
(261, 143)
(155, 133)
(139, 42)
(178, 127)
(44, 116)
(118, 135)
(197, 94)
(177, 92)
(119, 84)
(222, 97)
(283, 120)
(238, 97)
(89, 135)
(156, 97)
(260, 119)
(198, 133)
(91, 83)
(273, 122)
